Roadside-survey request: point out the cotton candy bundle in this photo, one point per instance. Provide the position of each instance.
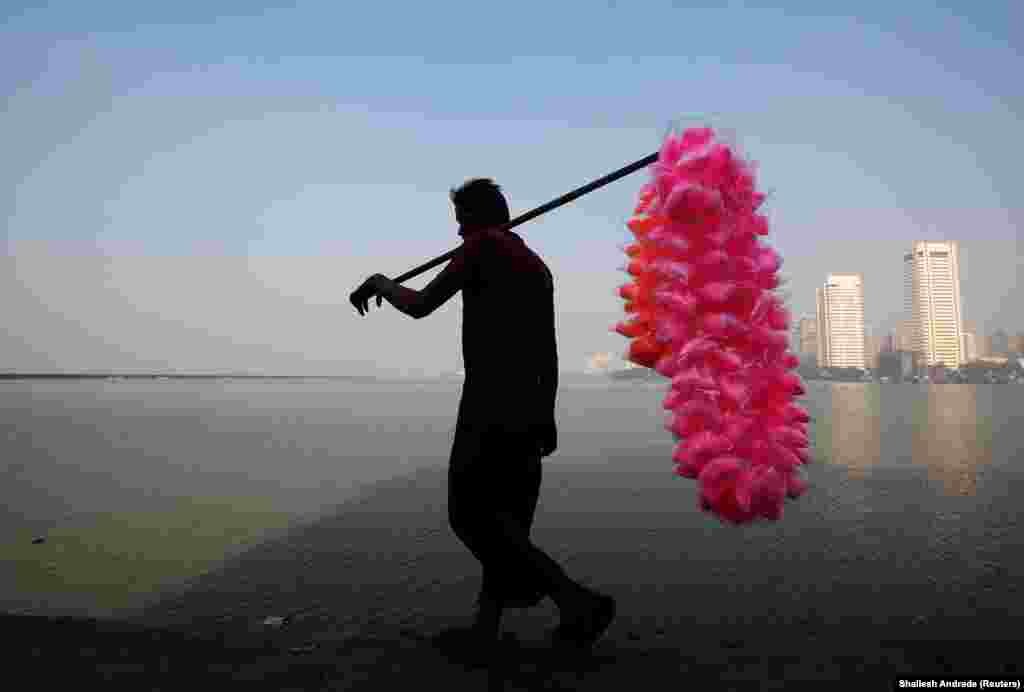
(703, 313)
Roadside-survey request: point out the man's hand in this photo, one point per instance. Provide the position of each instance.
(547, 438)
(360, 298)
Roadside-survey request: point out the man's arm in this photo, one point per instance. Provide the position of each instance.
(417, 304)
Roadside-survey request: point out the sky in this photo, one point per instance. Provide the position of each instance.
(199, 186)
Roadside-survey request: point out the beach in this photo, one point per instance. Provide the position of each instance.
(362, 591)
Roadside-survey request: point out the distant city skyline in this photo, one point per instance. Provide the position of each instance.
(931, 322)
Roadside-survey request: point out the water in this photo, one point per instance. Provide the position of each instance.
(135, 484)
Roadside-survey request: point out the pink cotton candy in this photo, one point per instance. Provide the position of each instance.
(745, 481)
(778, 318)
(694, 418)
(696, 349)
(672, 269)
(763, 308)
(716, 475)
(705, 316)
(690, 203)
(791, 383)
(783, 458)
(717, 291)
(668, 365)
(795, 486)
(742, 243)
(669, 331)
(672, 399)
(789, 437)
(719, 238)
(688, 377)
(735, 428)
(727, 361)
(665, 183)
(689, 464)
(696, 138)
(768, 493)
(775, 339)
(767, 260)
(684, 304)
(717, 323)
(665, 238)
(794, 413)
(767, 280)
(715, 259)
(670, 151)
(735, 392)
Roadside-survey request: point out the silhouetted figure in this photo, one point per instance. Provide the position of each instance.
(506, 418)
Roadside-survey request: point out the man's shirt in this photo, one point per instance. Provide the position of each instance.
(508, 330)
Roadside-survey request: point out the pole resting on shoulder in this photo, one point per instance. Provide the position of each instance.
(553, 204)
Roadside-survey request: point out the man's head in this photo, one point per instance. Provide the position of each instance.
(479, 203)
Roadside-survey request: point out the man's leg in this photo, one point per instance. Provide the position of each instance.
(570, 596)
(480, 516)
(464, 517)
(487, 622)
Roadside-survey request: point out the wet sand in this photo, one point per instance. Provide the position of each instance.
(819, 596)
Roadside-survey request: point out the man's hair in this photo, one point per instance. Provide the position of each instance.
(483, 199)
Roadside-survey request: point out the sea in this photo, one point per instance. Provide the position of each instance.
(114, 488)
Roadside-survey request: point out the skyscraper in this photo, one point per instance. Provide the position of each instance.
(841, 322)
(808, 336)
(971, 350)
(819, 321)
(984, 345)
(872, 347)
(888, 343)
(597, 363)
(932, 302)
(904, 336)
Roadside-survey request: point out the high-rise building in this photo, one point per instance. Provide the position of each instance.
(872, 347)
(932, 302)
(888, 343)
(808, 336)
(597, 363)
(819, 322)
(840, 326)
(904, 336)
(971, 352)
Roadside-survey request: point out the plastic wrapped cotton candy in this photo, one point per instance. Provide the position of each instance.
(702, 313)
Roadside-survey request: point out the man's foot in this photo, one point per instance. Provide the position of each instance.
(584, 625)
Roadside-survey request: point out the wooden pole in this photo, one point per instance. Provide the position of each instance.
(553, 204)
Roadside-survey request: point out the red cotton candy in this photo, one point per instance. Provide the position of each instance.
(704, 315)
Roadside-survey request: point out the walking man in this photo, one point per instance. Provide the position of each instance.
(506, 417)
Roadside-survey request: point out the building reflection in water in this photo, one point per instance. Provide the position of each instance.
(948, 438)
(848, 433)
(938, 427)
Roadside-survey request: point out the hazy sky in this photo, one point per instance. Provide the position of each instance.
(200, 189)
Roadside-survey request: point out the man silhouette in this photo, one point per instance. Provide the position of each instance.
(506, 417)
